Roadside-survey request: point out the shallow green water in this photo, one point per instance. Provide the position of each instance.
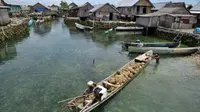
(55, 63)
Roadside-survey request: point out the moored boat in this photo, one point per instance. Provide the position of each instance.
(157, 44)
(118, 80)
(120, 28)
(164, 50)
(83, 27)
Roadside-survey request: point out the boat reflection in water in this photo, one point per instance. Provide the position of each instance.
(43, 29)
(8, 51)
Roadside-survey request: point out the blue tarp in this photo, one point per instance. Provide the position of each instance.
(196, 30)
(39, 9)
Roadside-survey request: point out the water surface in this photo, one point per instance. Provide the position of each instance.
(55, 63)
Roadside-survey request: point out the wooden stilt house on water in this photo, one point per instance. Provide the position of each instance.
(129, 9)
(73, 10)
(14, 7)
(196, 12)
(4, 18)
(104, 12)
(39, 8)
(81, 11)
(172, 15)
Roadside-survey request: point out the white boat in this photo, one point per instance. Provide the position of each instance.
(120, 28)
(82, 27)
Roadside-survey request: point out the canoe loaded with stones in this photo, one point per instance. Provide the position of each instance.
(115, 82)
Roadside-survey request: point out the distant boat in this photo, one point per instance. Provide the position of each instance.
(108, 31)
(119, 28)
(196, 31)
(83, 27)
(39, 21)
(164, 50)
(157, 44)
(30, 23)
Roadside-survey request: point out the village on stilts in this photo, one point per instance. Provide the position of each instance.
(99, 56)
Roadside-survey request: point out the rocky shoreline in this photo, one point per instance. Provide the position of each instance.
(17, 27)
(195, 58)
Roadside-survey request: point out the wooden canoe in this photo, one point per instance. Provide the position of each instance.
(119, 28)
(157, 44)
(163, 50)
(127, 73)
(83, 27)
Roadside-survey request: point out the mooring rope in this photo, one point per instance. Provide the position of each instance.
(4, 32)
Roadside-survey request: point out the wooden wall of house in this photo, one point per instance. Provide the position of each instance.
(144, 21)
(126, 10)
(143, 3)
(105, 11)
(73, 13)
(148, 21)
(84, 11)
(100, 16)
(4, 18)
(168, 21)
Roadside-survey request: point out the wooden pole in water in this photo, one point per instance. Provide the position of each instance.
(147, 29)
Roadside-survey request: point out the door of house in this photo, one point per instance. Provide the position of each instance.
(111, 16)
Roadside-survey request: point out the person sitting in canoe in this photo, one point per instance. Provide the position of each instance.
(91, 86)
(157, 57)
(100, 93)
(139, 43)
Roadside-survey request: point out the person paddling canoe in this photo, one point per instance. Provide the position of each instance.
(157, 57)
(91, 86)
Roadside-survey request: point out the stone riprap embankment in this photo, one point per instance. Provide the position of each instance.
(17, 27)
(196, 58)
(187, 38)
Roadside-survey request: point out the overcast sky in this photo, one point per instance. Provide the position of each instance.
(79, 2)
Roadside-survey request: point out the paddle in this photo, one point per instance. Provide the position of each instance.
(73, 98)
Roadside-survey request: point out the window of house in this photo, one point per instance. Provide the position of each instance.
(129, 9)
(144, 10)
(138, 9)
(185, 21)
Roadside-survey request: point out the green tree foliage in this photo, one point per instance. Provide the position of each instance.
(189, 7)
(64, 5)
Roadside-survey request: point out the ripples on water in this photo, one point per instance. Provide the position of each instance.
(55, 62)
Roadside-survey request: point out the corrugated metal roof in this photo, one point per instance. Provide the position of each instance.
(159, 5)
(96, 7)
(162, 11)
(196, 7)
(181, 15)
(13, 2)
(127, 3)
(195, 12)
(71, 5)
(84, 4)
